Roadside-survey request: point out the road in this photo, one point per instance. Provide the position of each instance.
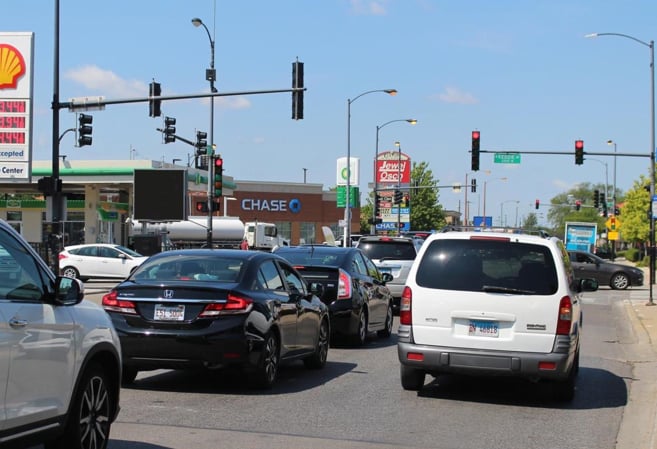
(357, 402)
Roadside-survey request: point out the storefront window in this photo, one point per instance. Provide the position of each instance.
(284, 229)
(307, 233)
(15, 219)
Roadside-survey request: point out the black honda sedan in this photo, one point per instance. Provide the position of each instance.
(217, 309)
(354, 289)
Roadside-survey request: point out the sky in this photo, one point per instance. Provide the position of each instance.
(520, 72)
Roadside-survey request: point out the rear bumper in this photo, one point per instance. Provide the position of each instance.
(437, 360)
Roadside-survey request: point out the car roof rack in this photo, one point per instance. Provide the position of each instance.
(503, 229)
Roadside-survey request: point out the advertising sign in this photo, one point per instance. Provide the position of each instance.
(354, 179)
(580, 236)
(392, 165)
(16, 84)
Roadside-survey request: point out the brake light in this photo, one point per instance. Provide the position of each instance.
(405, 309)
(62, 255)
(344, 285)
(234, 305)
(112, 303)
(565, 317)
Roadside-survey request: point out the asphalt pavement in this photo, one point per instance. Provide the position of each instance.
(638, 428)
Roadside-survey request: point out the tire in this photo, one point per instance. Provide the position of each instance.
(412, 379)
(564, 391)
(619, 281)
(387, 330)
(264, 375)
(88, 424)
(70, 272)
(361, 333)
(129, 374)
(318, 359)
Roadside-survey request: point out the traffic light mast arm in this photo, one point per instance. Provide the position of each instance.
(189, 142)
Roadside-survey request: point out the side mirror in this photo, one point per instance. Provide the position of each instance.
(68, 291)
(316, 289)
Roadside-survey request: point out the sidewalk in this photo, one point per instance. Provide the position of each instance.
(638, 429)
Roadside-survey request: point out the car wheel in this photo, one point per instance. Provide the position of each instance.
(619, 281)
(361, 332)
(70, 272)
(265, 373)
(564, 391)
(411, 378)
(128, 375)
(88, 425)
(387, 330)
(318, 359)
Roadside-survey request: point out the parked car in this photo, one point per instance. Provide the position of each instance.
(204, 308)
(492, 303)
(615, 275)
(354, 289)
(99, 260)
(60, 358)
(393, 255)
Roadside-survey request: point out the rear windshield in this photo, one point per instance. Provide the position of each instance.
(173, 268)
(388, 249)
(488, 265)
(317, 257)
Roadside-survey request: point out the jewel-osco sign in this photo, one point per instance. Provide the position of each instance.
(16, 84)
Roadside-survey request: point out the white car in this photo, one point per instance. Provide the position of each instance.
(492, 303)
(60, 358)
(99, 260)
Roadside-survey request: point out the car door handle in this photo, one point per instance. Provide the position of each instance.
(17, 323)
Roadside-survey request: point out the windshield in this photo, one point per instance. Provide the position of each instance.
(172, 268)
(396, 250)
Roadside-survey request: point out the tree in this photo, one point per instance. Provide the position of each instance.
(563, 208)
(426, 213)
(635, 222)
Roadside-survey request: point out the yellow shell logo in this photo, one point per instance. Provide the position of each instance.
(12, 66)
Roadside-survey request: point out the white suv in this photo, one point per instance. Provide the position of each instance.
(492, 303)
(60, 359)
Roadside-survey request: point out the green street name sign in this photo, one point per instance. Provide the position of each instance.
(507, 158)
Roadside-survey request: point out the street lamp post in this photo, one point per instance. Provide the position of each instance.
(347, 209)
(613, 248)
(211, 76)
(651, 46)
(412, 121)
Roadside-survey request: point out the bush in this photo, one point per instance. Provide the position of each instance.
(632, 254)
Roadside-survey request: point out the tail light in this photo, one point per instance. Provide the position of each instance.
(111, 303)
(234, 305)
(62, 255)
(405, 309)
(344, 285)
(565, 317)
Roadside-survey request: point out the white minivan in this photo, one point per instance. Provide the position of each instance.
(492, 303)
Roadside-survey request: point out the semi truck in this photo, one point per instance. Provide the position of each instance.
(262, 236)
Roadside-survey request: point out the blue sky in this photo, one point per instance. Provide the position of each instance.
(520, 72)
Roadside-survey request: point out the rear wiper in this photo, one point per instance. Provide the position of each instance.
(498, 289)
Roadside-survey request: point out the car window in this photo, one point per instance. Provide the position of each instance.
(91, 251)
(105, 251)
(471, 265)
(359, 264)
(269, 278)
(20, 276)
(371, 268)
(398, 250)
(294, 282)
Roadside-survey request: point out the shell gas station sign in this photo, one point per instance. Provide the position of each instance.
(16, 84)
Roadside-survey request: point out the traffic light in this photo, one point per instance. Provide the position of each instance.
(154, 90)
(475, 150)
(578, 205)
(397, 199)
(297, 96)
(596, 199)
(85, 129)
(473, 186)
(579, 152)
(538, 204)
(218, 176)
(603, 203)
(201, 142)
(202, 206)
(169, 129)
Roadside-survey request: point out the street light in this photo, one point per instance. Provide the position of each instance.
(412, 121)
(211, 76)
(347, 209)
(651, 46)
(485, 184)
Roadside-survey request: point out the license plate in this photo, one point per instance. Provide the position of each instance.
(169, 313)
(484, 329)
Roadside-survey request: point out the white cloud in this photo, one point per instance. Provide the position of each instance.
(109, 83)
(369, 7)
(455, 95)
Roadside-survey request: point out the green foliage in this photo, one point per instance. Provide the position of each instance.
(632, 254)
(634, 216)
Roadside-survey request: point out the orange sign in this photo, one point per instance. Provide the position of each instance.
(12, 66)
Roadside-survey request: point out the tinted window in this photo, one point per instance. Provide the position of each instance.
(20, 277)
(312, 257)
(398, 250)
(476, 265)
